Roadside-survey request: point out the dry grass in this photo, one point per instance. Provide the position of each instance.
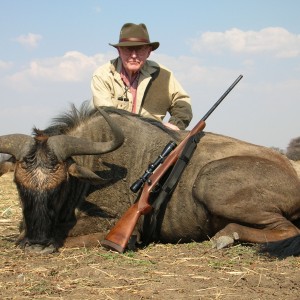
(185, 271)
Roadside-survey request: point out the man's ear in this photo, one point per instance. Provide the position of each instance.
(150, 50)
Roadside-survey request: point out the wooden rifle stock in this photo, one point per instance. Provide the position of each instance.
(118, 237)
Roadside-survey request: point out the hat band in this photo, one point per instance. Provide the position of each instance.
(134, 40)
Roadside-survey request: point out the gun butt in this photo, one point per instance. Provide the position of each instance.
(118, 237)
(109, 245)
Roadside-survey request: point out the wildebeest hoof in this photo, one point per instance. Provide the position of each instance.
(224, 241)
(40, 249)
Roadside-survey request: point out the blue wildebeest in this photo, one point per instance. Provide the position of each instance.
(73, 180)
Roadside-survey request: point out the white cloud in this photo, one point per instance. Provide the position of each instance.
(73, 66)
(276, 41)
(4, 65)
(29, 40)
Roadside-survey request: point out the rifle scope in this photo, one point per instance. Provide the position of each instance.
(152, 167)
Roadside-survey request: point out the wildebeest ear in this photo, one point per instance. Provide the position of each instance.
(6, 166)
(85, 174)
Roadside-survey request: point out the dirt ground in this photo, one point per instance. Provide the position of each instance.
(183, 271)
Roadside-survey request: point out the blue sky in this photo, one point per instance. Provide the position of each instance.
(49, 50)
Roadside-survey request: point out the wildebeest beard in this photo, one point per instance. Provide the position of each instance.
(42, 199)
(40, 216)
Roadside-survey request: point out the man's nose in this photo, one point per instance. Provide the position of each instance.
(133, 53)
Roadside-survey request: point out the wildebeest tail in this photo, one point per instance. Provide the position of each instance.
(284, 248)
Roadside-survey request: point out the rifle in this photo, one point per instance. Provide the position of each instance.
(173, 158)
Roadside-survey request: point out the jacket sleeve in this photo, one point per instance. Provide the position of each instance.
(101, 89)
(180, 109)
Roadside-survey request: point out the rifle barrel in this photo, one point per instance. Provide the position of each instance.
(221, 98)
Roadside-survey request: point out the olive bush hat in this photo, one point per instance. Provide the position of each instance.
(134, 35)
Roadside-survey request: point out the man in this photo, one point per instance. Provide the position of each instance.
(133, 83)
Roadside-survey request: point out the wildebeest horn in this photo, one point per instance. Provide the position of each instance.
(16, 144)
(66, 146)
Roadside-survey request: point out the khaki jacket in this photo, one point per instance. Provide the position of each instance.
(158, 92)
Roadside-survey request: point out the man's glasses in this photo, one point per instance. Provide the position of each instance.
(139, 50)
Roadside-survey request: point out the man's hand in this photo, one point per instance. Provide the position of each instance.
(171, 126)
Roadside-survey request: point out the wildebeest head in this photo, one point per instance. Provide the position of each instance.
(43, 165)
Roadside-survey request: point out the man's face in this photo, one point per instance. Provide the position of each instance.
(134, 57)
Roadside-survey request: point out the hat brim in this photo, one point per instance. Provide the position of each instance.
(154, 45)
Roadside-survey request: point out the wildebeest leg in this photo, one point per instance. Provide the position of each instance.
(234, 232)
(92, 240)
(249, 199)
(89, 240)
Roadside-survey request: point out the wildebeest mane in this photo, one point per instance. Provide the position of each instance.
(73, 118)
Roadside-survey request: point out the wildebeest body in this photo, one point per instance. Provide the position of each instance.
(229, 189)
